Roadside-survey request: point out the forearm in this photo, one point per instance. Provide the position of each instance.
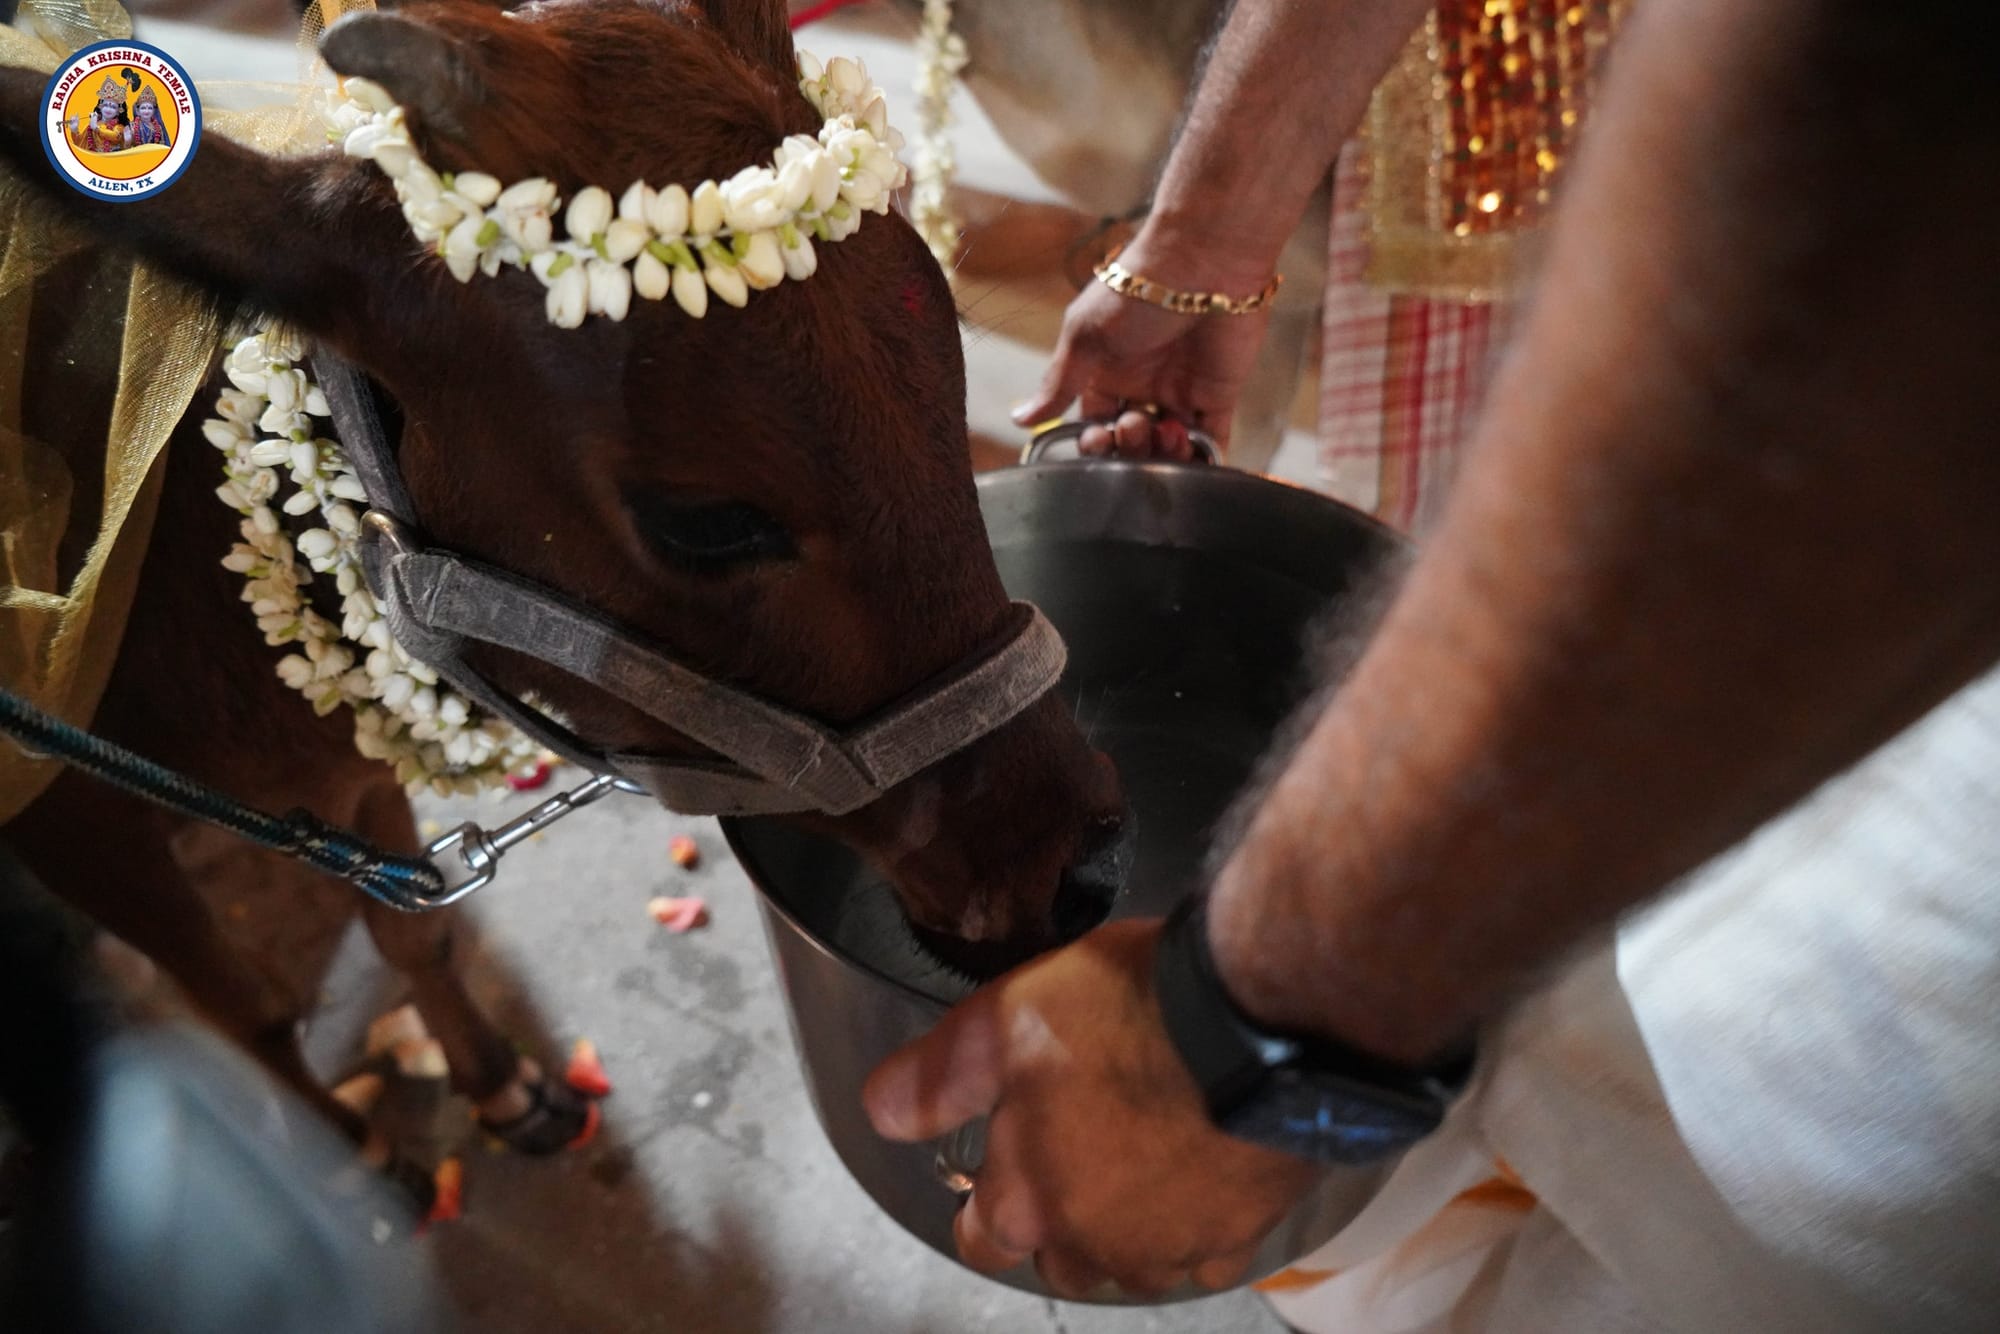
(1286, 85)
(1728, 524)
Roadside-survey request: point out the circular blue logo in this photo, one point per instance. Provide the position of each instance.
(120, 120)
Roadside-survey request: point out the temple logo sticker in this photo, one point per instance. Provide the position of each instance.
(120, 120)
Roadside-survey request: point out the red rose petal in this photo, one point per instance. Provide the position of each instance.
(449, 1206)
(530, 779)
(679, 915)
(586, 1071)
(593, 1119)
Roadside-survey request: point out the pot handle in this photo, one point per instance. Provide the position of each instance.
(1066, 432)
(959, 1156)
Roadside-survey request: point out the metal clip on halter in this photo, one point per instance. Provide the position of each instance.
(478, 850)
(393, 530)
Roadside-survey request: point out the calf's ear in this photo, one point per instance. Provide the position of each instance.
(421, 66)
(759, 30)
(442, 63)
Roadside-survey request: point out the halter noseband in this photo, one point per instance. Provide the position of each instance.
(775, 760)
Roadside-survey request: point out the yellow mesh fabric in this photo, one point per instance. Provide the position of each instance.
(1468, 135)
(72, 536)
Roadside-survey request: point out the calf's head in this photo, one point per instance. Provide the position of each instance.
(779, 494)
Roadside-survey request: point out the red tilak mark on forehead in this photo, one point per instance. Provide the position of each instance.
(913, 297)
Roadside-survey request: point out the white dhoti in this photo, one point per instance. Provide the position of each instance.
(1773, 1105)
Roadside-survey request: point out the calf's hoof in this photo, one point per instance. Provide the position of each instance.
(557, 1118)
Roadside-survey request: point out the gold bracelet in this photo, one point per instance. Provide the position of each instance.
(1140, 288)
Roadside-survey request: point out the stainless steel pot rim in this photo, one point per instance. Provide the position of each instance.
(731, 825)
(1221, 477)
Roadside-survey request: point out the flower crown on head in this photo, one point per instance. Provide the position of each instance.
(754, 230)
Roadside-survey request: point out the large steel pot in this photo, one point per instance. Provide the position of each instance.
(1185, 594)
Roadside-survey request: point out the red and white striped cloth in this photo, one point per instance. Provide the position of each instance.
(1401, 377)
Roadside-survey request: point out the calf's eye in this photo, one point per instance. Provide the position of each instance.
(708, 536)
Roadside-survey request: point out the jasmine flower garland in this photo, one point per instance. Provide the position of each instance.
(725, 238)
(266, 430)
(941, 55)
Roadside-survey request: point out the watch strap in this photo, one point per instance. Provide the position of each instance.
(1306, 1094)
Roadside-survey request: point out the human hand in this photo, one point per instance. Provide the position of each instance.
(1116, 352)
(1100, 1161)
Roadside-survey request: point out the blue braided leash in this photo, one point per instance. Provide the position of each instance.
(409, 883)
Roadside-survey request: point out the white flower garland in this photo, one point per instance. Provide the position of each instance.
(754, 230)
(941, 56)
(433, 736)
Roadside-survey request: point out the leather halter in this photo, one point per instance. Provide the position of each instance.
(772, 758)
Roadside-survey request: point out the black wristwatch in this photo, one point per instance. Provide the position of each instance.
(1309, 1096)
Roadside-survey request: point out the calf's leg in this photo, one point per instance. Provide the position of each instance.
(531, 1110)
(108, 855)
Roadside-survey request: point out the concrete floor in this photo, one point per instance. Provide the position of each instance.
(710, 1203)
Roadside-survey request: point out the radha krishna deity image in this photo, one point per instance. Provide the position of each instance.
(112, 128)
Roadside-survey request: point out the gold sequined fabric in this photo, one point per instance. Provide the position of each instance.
(76, 512)
(1469, 135)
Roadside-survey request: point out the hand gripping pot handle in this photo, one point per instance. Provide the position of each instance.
(959, 1156)
(1063, 433)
